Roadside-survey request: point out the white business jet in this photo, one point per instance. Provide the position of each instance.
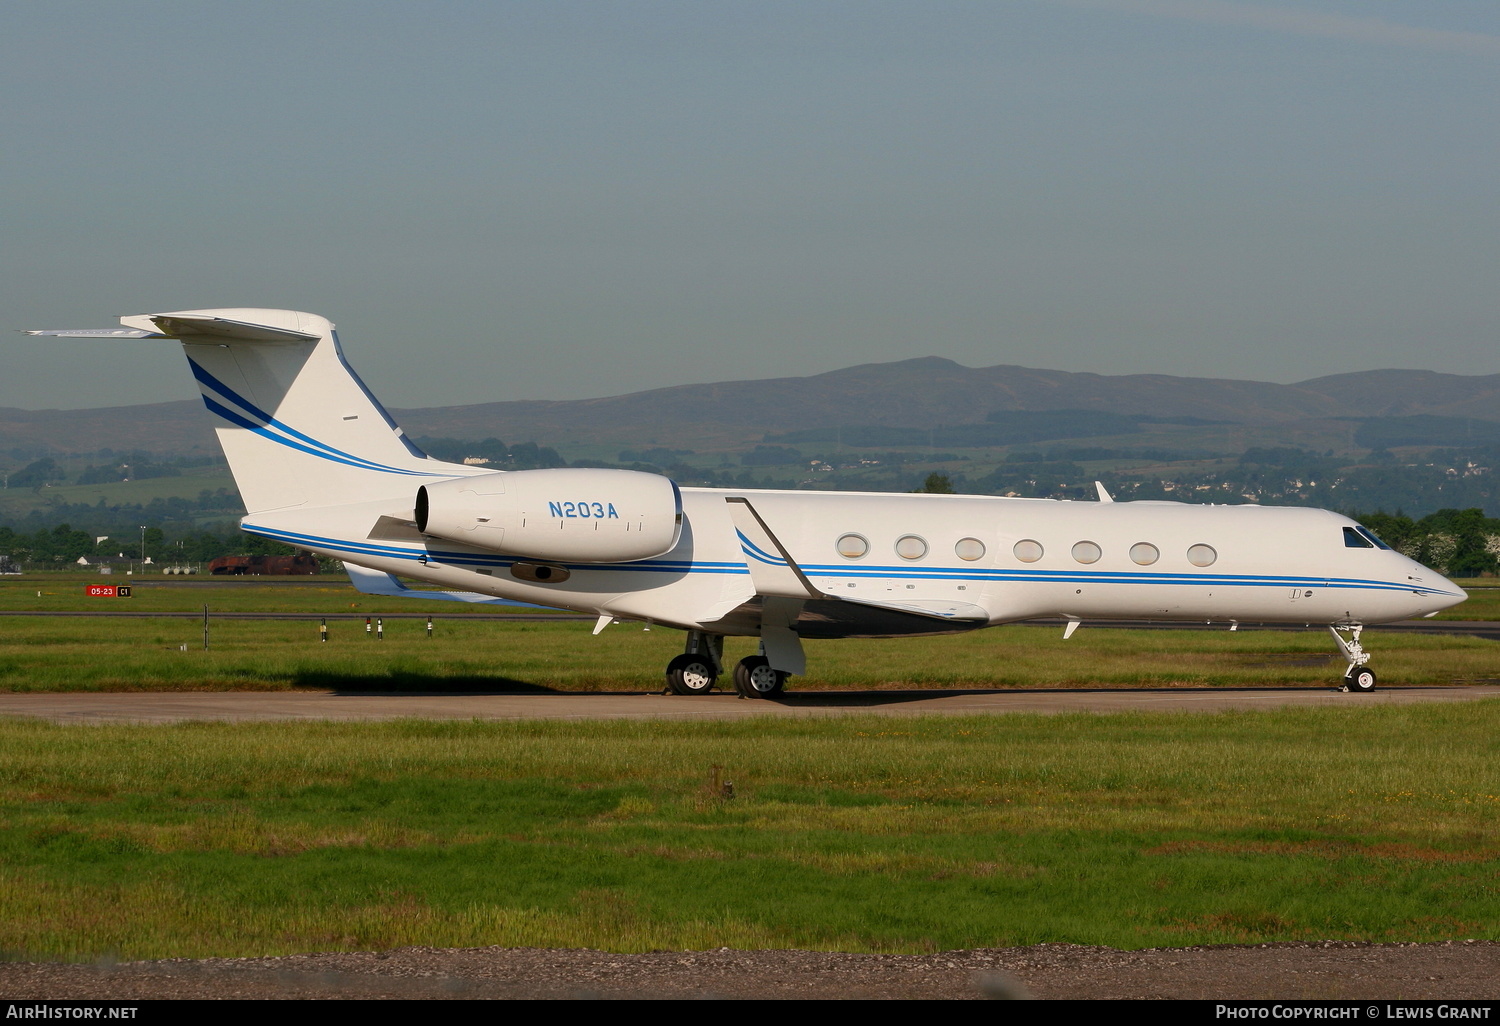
(321, 466)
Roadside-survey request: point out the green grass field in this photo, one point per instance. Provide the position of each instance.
(17, 502)
(860, 833)
(855, 833)
(84, 654)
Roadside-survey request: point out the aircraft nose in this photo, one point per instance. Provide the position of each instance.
(1444, 594)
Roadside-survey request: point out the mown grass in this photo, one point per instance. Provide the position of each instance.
(90, 654)
(866, 834)
(1483, 602)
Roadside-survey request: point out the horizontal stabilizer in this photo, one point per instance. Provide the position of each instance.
(191, 327)
(97, 333)
(378, 582)
(187, 327)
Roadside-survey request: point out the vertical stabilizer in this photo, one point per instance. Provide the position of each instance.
(297, 425)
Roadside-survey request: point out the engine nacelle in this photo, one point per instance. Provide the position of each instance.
(581, 515)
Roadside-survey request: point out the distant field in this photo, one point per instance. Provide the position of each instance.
(16, 502)
(1483, 602)
(856, 834)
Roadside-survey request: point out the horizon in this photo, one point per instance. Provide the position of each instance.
(195, 399)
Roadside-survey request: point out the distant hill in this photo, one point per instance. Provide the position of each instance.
(180, 427)
(1407, 393)
(921, 394)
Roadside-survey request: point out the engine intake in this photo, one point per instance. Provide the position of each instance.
(579, 515)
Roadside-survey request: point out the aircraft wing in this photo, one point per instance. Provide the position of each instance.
(775, 574)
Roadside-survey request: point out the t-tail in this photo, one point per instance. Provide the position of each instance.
(297, 425)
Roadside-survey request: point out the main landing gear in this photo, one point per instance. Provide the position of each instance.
(694, 672)
(697, 670)
(754, 678)
(1358, 678)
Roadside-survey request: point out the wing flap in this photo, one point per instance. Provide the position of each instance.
(936, 609)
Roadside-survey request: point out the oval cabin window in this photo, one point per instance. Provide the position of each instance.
(911, 547)
(969, 548)
(1144, 553)
(1202, 555)
(852, 546)
(1086, 552)
(1028, 551)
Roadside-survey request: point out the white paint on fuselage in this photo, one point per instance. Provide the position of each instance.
(1274, 563)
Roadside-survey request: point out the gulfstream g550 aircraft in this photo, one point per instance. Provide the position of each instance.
(322, 466)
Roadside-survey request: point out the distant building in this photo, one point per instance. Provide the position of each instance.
(8, 566)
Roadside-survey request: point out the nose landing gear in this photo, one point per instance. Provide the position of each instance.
(1358, 678)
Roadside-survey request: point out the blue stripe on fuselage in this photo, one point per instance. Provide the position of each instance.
(974, 574)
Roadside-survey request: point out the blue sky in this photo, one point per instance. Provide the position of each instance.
(558, 200)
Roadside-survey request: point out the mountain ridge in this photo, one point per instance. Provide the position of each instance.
(921, 392)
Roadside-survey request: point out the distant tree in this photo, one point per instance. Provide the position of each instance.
(1469, 529)
(936, 484)
(1396, 530)
(36, 475)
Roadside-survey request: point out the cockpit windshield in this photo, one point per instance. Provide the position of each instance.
(1356, 540)
(1371, 535)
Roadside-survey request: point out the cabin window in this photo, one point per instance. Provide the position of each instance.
(910, 547)
(1087, 552)
(1202, 555)
(1372, 536)
(852, 546)
(1144, 553)
(1028, 551)
(1354, 540)
(969, 548)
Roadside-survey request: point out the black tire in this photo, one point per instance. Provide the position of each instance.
(754, 678)
(1361, 680)
(691, 675)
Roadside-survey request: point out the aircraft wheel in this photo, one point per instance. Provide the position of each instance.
(754, 678)
(690, 674)
(1360, 679)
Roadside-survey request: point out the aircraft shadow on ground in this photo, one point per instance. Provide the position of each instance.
(874, 698)
(419, 684)
(429, 684)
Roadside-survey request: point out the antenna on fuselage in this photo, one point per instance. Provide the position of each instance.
(1104, 495)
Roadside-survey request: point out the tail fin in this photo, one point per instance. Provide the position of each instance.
(297, 425)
